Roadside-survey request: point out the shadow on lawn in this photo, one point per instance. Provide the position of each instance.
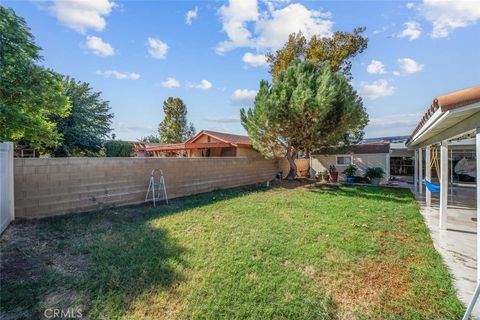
(366, 192)
(99, 262)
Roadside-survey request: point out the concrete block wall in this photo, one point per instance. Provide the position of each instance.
(55, 186)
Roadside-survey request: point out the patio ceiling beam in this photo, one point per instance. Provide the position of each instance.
(458, 129)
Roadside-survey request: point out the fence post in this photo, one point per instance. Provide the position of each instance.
(7, 209)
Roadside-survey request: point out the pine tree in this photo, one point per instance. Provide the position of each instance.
(174, 127)
(307, 106)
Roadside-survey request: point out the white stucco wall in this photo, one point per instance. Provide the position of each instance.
(362, 161)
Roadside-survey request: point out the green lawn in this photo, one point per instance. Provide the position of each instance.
(278, 253)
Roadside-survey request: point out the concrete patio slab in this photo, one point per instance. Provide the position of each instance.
(457, 245)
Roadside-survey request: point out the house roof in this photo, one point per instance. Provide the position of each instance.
(364, 148)
(233, 139)
(226, 140)
(448, 102)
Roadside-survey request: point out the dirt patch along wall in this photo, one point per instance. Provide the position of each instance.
(47, 187)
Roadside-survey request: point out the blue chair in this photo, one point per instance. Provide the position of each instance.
(435, 188)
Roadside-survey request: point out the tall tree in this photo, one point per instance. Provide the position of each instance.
(307, 106)
(337, 50)
(174, 127)
(88, 124)
(150, 139)
(29, 94)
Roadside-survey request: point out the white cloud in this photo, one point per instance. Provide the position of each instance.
(376, 67)
(224, 119)
(273, 32)
(376, 89)
(132, 131)
(409, 65)
(81, 15)
(256, 60)
(244, 96)
(118, 75)
(270, 29)
(234, 18)
(99, 47)
(157, 48)
(393, 124)
(411, 31)
(171, 83)
(447, 16)
(402, 119)
(204, 85)
(190, 15)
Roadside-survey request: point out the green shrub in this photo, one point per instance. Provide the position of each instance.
(118, 148)
(350, 171)
(377, 172)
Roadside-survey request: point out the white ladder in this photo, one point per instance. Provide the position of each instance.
(156, 186)
(468, 313)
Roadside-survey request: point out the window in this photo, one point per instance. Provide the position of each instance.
(344, 160)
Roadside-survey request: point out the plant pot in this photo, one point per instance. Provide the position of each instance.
(375, 181)
(333, 176)
(318, 178)
(350, 179)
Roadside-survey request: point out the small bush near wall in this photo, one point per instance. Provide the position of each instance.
(118, 148)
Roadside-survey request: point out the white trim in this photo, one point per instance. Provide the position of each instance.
(436, 118)
(420, 170)
(428, 176)
(477, 151)
(343, 156)
(415, 169)
(443, 184)
(432, 121)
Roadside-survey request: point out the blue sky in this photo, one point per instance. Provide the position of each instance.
(210, 54)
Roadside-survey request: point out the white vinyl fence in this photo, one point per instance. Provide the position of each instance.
(6, 185)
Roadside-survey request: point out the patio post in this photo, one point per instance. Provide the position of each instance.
(428, 176)
(415, 166)
(420, 171)
(477, 152)
(443, 184)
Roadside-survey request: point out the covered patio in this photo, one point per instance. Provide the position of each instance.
(450, 207)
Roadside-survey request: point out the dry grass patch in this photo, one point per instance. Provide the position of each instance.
(288, 252)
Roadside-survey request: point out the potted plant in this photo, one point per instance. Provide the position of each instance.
(319, 176)
(350, 173)
(333, 173)
(374, 175)
(325, 175)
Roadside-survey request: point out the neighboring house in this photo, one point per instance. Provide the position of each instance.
(206, 144)
(363, 156)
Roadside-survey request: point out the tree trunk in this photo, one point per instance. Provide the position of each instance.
(292, 174)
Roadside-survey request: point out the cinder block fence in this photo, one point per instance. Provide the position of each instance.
(54, 186)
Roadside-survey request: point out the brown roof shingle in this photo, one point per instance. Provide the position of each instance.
(227, 137)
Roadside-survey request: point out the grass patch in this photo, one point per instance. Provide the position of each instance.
(283, 253)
